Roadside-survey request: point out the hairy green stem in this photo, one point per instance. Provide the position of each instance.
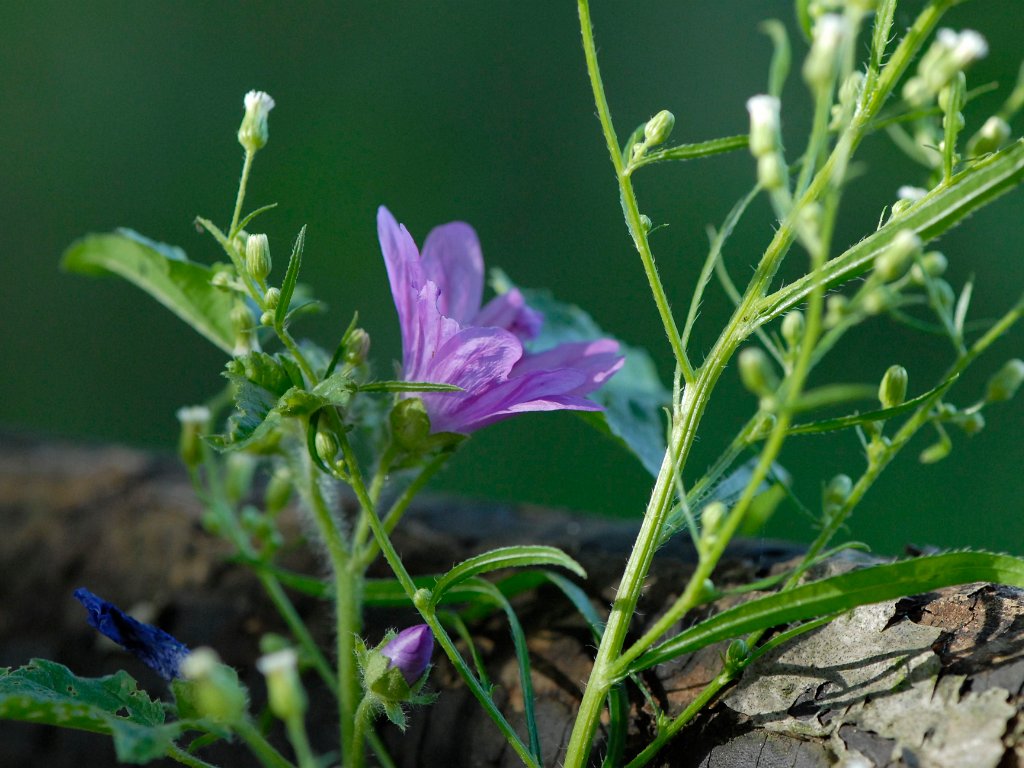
(628, 197)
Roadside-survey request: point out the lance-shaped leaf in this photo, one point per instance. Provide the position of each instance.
(939, 211)
(873, 584)
(164, 273)
(504, 557)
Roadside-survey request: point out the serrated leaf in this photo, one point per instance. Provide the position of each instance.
(260, 380)
(162, 271)
(632, 399)
(505, 557)
(48, 693)
(873, 584)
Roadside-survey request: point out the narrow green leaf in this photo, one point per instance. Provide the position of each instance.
(634, 138)
(873, 584)
(832, 394)
(164, 273)
(389, 593)
(781, 55)
(938, 212)
(291, 277)
(505, 557)
(408, 386)
(695, 151)
(245, 222)
(45, 692)
(844, 422)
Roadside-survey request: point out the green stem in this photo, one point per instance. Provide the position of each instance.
(259, 746)
(179, 755)
(629, 204)
(296, 727)
(363, 721)
(379, 750)
(298, 628)
(240, 198)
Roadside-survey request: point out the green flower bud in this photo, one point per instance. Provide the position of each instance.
(221, 279)
(241, 318)
(932, 264)
(659, 128)
(835, 309)
(936, 452)
(410, 424)
(772, 172)
(357, 347)
(326, 446)
(892, 262)
(756, 372)
(990, 137)
(279, 491)
(253, 133)
(267, 319)
(217, 693)
(879, 300)
(272, 298)
(257, 257)
(285, 694)
(892, 392)
(711, 517)
(793, 328)
(737, 653)
(645, 222)
(195, 421)
(971, 423)
(1006, 381)
(837, 492)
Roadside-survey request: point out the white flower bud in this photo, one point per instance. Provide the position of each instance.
(257, 257)
(253, 133)
(764, 124)
(830, 31)
(285, 694)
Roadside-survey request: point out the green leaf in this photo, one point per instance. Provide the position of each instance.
(290, 279)
(248, 219)
(408, 386)
(162, 271)
(46, 692)
(941, 210)
(873, 584)
(695, 151)
(633, 399)
(505, 557)
(261, 382)
(844, 422)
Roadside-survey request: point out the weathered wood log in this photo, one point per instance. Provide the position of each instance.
(930, 681)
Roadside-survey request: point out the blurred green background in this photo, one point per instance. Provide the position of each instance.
(124, 114)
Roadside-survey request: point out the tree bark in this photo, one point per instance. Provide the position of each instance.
(934, 680)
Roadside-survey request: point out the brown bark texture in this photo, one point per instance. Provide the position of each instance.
(934, 680)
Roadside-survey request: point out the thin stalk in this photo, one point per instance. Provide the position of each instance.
(379, 750)
(628, 197)
(423, 605)
(259, 746)
(240, 198)
(297, 736)
(179, 755)
(298, 628)
(363, 722)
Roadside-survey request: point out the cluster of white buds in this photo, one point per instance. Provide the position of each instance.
(766, 140)
(950, 54)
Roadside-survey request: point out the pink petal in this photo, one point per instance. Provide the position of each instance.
(596, 360)
(510, 311)
(452, 258)
(404, 272)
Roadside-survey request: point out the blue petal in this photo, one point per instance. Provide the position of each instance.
(155, 648)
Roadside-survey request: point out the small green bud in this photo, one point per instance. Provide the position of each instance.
(410, 424)
(1006, 381)
(285, 694)
(879, 300)
(267, 319)
(951, 97)
(659, 128)
(892, 392)
(253, 133)
(645, 222)
(837, 491)
(218, 693)
(944, 295)
(326, 445)
(931, 264)
(793, 328)
(711, 518)
(971, 423)
(241, 318)
(737, 653)
(771, 171)
(830, 32)
(756, 372)
(357, 347)
(936, 452)
(272, 298)
(279, 491)
(899, 208)
(835, 309)
(195, 420)
(257, 257)
(892, 262)
(707, 591)
(990, 137)
(221, 279)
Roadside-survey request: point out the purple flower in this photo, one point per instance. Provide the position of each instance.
(448, 338)
(155, 648)
(410, 651)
